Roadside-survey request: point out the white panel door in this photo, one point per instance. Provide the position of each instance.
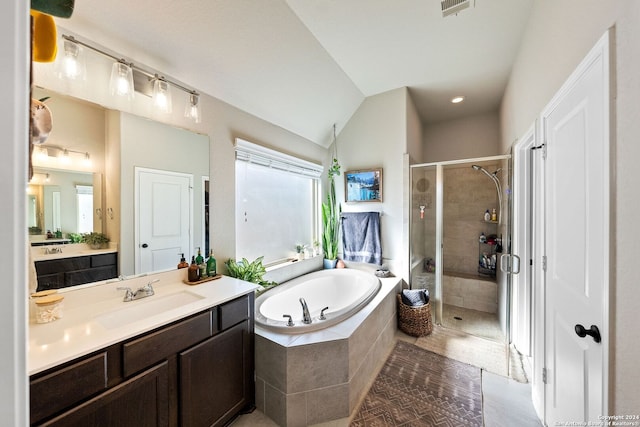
(163, 219)
(577, 233)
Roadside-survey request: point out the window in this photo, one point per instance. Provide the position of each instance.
(277, 203)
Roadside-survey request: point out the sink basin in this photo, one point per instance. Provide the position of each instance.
(146, 307)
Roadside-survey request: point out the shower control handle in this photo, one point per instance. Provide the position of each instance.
(322, 316)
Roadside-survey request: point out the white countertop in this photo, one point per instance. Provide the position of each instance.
(82, 329)
(69, 250)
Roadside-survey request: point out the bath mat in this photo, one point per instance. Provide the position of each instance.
(419, 388)
(480, 352)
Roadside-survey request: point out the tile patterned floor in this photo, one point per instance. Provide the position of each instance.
(486, 350)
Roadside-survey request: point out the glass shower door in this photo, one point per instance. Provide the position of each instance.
(424, 236)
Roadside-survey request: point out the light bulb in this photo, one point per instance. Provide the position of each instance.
(121, 83)
(192, 109)
(162, 96)
(71, 65)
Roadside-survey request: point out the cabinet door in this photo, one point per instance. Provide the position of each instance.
(215, 378)
(142, 401)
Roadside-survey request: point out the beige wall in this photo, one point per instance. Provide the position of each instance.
(558, 36)
(376, 136)
(466, 138)
(221, 122)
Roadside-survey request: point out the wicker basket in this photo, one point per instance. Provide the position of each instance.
(414, 321)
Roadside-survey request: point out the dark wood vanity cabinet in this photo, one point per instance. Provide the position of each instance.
(198, 371)
(63, 272)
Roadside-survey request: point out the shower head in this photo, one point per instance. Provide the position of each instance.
(483, 170)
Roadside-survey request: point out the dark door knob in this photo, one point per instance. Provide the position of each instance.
(144, 245)
(592, 332)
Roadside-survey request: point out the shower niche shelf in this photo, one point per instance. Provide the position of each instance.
(487, 258)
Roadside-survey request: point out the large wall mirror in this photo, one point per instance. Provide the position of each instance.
(89, 175)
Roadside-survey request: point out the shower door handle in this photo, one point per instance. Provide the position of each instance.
(510, 263)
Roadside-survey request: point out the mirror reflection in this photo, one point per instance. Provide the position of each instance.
(112, 172)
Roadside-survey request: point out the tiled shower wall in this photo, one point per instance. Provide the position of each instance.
(467, 195)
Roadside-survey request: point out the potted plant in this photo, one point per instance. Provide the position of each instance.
(300, 251)
(331, 219)
(95, 240)
(251, 272)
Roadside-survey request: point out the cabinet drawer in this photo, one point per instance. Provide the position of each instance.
(67, 386)
(233, 312)
(80, 277)
(63, 264)
(104, 259)
(151, 349)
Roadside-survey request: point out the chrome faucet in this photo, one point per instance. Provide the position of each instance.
(142, 292)
(306, 317)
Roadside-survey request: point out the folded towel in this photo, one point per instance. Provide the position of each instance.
(415, 297)
(361, 237)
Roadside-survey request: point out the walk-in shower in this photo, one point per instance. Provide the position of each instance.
(455, 252)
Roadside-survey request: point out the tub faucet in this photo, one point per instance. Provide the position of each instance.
(306, 317)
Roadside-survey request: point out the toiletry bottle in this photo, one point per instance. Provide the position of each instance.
(183, 263)
(483, 238)
(211, 265)
(203, 270)
(199, 258)
(494, 216)
(193, 273)
(487, 215)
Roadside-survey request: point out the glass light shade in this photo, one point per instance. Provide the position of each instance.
(71, 64)
(162, 96)
(64, 157)
(121, 83)
(192, 109)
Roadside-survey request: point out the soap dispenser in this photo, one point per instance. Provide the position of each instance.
(183, 263)
(193, 273)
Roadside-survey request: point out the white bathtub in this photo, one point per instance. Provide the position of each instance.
(343, 291)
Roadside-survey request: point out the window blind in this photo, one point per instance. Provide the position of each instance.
(261, 156)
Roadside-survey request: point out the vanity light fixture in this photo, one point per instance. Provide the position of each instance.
(162, 95)
(457, 99)
(71, 66)
(192, 109)
(64, 157)
(121, 82)
(125, 79)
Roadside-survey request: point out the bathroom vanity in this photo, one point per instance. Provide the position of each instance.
(183, 356)
(73, 264)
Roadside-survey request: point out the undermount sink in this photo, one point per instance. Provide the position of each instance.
(143, 308)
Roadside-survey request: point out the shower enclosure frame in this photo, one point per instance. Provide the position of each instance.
(439, 230)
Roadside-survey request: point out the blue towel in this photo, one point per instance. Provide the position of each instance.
(415, 297)
(361, 237)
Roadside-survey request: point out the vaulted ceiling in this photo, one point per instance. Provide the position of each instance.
(307, 64)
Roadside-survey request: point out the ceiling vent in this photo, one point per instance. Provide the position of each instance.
(450, 7)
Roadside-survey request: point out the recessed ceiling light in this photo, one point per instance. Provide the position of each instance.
(457, 99)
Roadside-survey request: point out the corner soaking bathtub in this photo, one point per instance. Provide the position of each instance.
(341, 291)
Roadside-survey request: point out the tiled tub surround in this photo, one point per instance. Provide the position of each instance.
(320, 376)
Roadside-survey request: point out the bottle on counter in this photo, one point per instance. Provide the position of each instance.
(487, 215)
(183, 263)
(211, 265)
(193, 273)
(494, 215)
(199, 258)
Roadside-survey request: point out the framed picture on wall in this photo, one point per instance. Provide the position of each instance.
(363, 185)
